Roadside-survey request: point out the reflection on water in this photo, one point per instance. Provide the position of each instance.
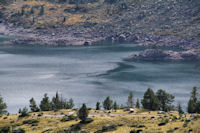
(88, 74)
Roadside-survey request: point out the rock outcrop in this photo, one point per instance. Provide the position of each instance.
(161, 55)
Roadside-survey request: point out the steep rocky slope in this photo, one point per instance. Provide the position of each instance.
(147, 22)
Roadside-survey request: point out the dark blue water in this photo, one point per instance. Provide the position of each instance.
(88, 74)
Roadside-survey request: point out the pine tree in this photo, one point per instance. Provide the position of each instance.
(70, 103)
(130, 101)
(3, 106)
(198, 107)
(193, 102)
(107, 103)
(150, 101)
(23, 112)
(56, 102)
(137, 104)
(45, 104)
(83, 113)
(179, 109)
(33, 106)
(98, 106)
(115, 106)
(165, 100)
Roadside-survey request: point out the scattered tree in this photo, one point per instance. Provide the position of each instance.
(179, 109)
(193, 102)
(137, 104)
(107, 103)
(150, 101)
(3, 106)
(70, 104)
(33, 106)
(165, 100)
(57, 102)
(23, 112)
(98, 106)
(130, 101)
(45, 104)
(115, 106)
(83, 113)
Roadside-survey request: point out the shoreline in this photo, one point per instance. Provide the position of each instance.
(78, 36)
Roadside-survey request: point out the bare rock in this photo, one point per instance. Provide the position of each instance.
(160, 55)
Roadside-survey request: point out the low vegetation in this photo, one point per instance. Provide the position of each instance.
(57, 115)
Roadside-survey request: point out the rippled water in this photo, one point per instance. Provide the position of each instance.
(87, 74)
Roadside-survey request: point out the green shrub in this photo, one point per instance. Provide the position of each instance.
(140, 126)
(68, 118)
(88, 120)
(196, 117)
(136, 131)
(5, 129)
(41, 114)
(187, 121)
(162, 124)
(23, 112)
(133, 131)
(185, 124)
(19, 130)
(120, 124)
(176, 128)
(32, 121)
(170, 131)
(133, 125)
(98, 131)
(109, 128)
(76, 127)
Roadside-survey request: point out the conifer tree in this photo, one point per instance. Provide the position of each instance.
(98, 106)
(115, 106)
(56, 102)
(23, 112)
(150, 101)
(107, 103)
(130, 100)
(165, 100)
(137, 104)
(33, 106)
(3, 106)
(193, 102)
(83, 113)
(45, 104)
(70, 103)
(179, 109)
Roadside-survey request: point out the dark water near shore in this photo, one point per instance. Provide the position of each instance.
(88, 74)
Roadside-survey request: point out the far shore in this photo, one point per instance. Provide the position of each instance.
(78, 36)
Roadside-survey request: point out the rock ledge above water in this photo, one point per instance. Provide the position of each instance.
(161, 55)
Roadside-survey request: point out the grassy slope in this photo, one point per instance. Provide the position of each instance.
(54, 14)
(180, 18)
(101, 119)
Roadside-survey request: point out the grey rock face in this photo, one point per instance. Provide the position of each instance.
(160, 55)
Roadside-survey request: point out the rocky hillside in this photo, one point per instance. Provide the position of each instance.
(148, 22)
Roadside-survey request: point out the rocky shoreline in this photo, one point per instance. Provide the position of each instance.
(165, 55)
(87, 36)
(52, 37)
(83, 36)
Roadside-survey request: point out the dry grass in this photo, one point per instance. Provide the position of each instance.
(54, 14)
(124, 120)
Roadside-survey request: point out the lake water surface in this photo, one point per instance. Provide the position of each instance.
(88, 74)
